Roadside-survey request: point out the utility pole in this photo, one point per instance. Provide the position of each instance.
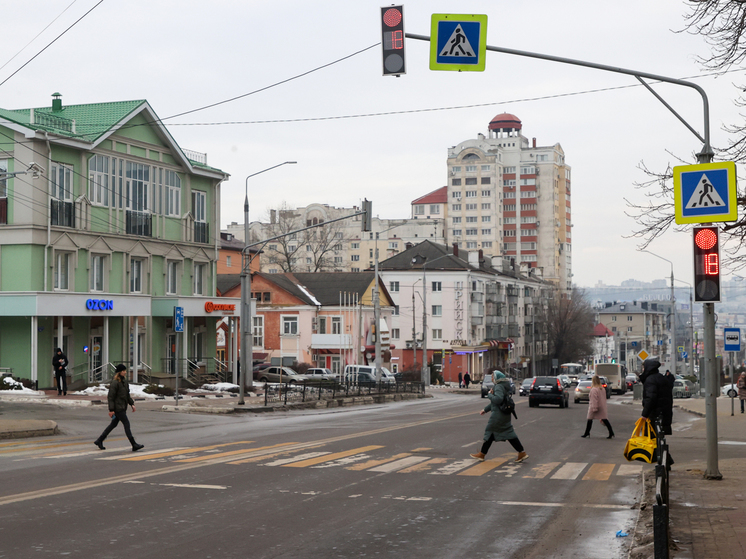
(414, 330)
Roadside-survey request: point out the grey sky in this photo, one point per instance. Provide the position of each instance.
(185, 55)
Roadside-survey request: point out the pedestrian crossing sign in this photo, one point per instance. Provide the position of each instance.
(705, 193)
(458, 42)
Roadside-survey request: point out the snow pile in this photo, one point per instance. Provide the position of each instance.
(217, 387)
(136, 391)
(15, 385)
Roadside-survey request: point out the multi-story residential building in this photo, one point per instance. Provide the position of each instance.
(107, 225)
(340, 246)
(636, 326)
(477, 317)
(509, 197)
(433, 205)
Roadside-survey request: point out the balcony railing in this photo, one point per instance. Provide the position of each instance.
(63, 213)
(139, 223)
(201, 232)
(3, 211)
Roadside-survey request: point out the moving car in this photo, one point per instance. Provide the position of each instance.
(565, 380)
(280, 374)
(683, 388)
(730, 390)
(548, 390)
(525, 386)
(607, 386)
(583, 391)
(631, 381)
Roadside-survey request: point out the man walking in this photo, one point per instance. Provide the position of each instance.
(59, 363)
(119, 398)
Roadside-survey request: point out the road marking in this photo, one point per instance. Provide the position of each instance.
(454, 467)
(306, 456)
(599, 472)
(571, 470)
(163, 453)
(399, 464)
(483, 467)
(194, 486)
(542, 470)
(372, 463)
(569, 505)
(343, 461)
(142, 455)
(264, 455)
(423, 466)
(629, 469)
(330, 457)
(230, 454)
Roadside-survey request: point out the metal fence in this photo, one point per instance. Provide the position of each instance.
(662, 505)
(310, 390)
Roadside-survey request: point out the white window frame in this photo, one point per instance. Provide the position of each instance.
(98, 262)
(437, 310)
(62, 271)
(172, 277)
(287, 321)
(136, 265)
(61, 179)
(258, 332)
(172, 185)
(437, 286)
(99, 177)
(200, 269)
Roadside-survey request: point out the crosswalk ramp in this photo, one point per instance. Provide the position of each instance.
(375, 459)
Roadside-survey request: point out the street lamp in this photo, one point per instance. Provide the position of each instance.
(247, 341)
(673, 302)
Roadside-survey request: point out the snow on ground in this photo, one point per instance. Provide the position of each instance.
(17, 386)
(217, 387)
(138, 390)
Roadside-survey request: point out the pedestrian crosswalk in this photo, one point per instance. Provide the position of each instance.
(370, 458)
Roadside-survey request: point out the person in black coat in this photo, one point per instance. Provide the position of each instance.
(59, 363)
(657, 395)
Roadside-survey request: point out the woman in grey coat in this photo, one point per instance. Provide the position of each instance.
(499, 426)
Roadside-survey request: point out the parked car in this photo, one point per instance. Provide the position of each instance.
(683, 388)
(730, 390)
(525, 386)
(319, 373)
(583, 391)
(365, 375)
(607, 386)
(280, 374)
(565, 380)
(548, 390)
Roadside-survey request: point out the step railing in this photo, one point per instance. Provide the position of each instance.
(662, 504)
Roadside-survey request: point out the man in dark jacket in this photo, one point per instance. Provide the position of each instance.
(59, 363)
(119, 398)
(657, 394)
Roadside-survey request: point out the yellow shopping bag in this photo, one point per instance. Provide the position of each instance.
(641, 446)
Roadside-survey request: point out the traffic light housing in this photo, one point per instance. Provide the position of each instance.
(706, 264)
(367, 215)
(392, 40)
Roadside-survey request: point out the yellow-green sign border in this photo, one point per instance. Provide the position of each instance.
(482, 49)
(679, 202)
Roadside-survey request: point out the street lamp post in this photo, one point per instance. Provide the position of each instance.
(673, 325)
(247, 341)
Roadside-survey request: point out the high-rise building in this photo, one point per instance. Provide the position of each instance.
(507, 196)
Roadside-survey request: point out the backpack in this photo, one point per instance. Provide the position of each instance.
(507, 406)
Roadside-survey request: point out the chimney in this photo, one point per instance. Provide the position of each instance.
(533, 143)
(455, 249)
(481, 256)
(473, 259)
(273, 216)
(408, 245)
(56, 102)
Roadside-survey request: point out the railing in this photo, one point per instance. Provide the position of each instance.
(199, 371)
(146, 376)
(139, 223)
(662, 503)
(311, 390)
(63, 213)
(3, 211)
(79, 372)
(100, 374)
(201, 232)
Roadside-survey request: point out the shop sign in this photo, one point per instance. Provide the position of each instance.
(214, 307)
(99, 305)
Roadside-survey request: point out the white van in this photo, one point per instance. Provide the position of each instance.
(365, 375)
(614, 373)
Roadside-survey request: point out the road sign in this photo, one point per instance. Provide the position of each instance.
(178, 319)
(643, 354)
(684, 354)
(458, 42)
(681, 349)
(705, 193)
(732, 339)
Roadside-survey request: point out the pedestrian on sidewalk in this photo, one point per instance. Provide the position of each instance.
(59, 363)
(467, 379)
(742, 389)
(460, 379)
(657, 395)
(597, 408)
(119, 398)
(499, 426)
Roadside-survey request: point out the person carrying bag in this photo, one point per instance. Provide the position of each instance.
(642, 446)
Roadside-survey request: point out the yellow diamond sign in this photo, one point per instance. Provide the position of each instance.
(643, 355)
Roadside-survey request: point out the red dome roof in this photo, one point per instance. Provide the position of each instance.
(505, 120)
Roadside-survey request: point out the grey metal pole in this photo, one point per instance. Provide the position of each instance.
(675, 349)
(377, 316)
(425, 369)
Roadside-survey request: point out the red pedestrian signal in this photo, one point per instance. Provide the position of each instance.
(706, 265)
(392, 40)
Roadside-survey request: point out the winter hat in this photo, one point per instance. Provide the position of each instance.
(121, 367)
(497, 375)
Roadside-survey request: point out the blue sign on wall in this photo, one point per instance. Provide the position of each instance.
(178, 319)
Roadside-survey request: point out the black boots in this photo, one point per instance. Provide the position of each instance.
(136, 447)
(99, 444)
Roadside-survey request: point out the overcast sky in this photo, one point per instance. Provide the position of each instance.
(357, 134)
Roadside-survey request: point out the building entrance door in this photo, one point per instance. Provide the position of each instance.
(95, 363)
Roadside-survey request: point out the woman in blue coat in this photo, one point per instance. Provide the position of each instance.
(499, 426)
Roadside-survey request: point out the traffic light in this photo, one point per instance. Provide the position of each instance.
(392, 40)
(367, 215)
(706, 264)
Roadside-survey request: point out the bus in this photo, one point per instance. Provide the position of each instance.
(572, 370)
(616, 374)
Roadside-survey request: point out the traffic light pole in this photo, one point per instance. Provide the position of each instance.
(705, 156)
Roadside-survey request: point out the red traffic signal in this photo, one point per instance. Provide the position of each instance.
(706, 264)
(392, 40)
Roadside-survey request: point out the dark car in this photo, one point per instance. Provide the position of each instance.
(606, 385)
(548, 390)
(631, 380)
(525, 386)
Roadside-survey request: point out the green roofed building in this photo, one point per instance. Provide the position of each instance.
(106, 225)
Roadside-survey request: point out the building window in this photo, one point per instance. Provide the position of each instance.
(435, 209)
(336, 325)
(456, 169)
(322, 325)
(393, 244)
(629, 328)
(173, 274)
(337, 259)
(354, 269)
(613, 318)
(471, 219)
(135, 276)
(258, 334)
(486, 206)
(290, 325)
(354, 245)
(98, 176)
(486, 231)
(486, 193)
(395, 333)
(456, 220)
(437, 334)
(437, 286)
(437, 310)
(455, 182)
(471, 244)
(62, 187)
(199, 278)
(456, 207)
(471, 232)
(485, 167)
(629, 318)
(97, 272)
(487, 244)
(394, 286)
(456, 194)
(419, 209)
(486, 180)
(457, 232)
(486, 218)
(613, 328)
(396, 310)
(471, 207)
(62, 271)
(228, 261)
(471, 168)
(471, 193)
(355, 257)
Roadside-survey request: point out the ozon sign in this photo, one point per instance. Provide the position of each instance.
(215, 307)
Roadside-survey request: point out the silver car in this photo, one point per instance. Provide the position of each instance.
(319, 373)
(280, 374)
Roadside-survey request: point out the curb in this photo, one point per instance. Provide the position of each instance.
(30, 428)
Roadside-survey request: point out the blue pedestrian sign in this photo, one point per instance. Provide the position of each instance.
(178, 319)
(732, 339)
(458, 42)
(684, 354)
(705, 193)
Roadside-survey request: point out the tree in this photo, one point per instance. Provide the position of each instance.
(313, 250)
(568, 321)
(722, 23)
